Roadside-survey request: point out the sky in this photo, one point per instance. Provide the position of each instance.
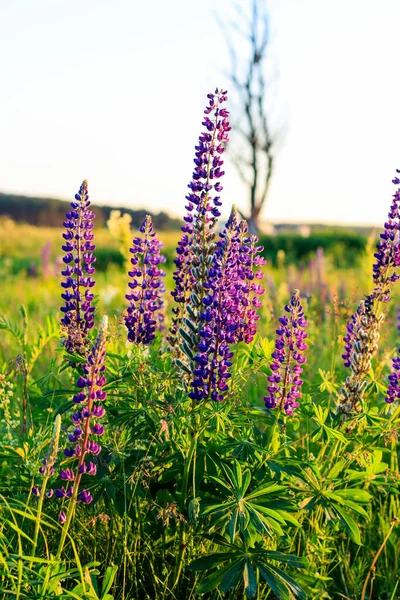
(113, 92)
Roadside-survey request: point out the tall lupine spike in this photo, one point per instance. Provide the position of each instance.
(362, 335)
(145, 313)
(86, 426)
(218, 321)
(388, 250)
(78, 312)
(393, 391)
(195, 249)
(285, 383)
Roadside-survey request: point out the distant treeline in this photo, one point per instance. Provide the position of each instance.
(50, 212)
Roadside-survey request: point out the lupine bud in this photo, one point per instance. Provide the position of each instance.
(78, 311)
(145, 313)
(284, 382)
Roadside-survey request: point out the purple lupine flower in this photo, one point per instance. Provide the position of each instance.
(85, 497)
(145, 313)
(229, 309)
(284, 382)
(78, 311)
(249, 276)
(388, 250)
(352, 328)
(393, 391)
(85, 420)
(220, 319)
(195, 246)
(362, 334)
(62, 517)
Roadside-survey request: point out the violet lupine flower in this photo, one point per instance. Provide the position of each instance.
(285, 383)
(250, 275)
(195, 247)
(362, 334)
(351, 332)
(388, 250)
(85, 421)
(145, 313)
(218, 322)
(78, 311)
(393, 391)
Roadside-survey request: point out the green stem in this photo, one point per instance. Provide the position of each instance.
(38, 515)
(185, 481)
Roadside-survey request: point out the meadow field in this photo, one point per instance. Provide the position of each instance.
(211, 443)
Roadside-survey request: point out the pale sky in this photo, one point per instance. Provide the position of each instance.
(113, 91)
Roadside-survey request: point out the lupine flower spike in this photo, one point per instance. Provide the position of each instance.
(78, 246)
(393, 391)
(285, 383)
(249, 277)
(145, 313)
(228, 309)
(362, 334)
(218, 321)
(196, 247)
(87, 428)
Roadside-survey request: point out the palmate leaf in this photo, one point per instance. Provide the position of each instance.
(325, 491)
(215, 578)
(281, 584)
(349, 524)
(258, 508)
(241, 564)
(232, 577)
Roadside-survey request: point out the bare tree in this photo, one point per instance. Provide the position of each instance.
(253, 156)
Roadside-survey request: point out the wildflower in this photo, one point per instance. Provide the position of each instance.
(393, 391)
(228, 312)
(145, 312)
(388, 250)
(362, 334)
(85, 420)
(78, 312)
(249, 275)
(284, 382)
(195, 248)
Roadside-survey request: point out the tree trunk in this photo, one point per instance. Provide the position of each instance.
(254, 220)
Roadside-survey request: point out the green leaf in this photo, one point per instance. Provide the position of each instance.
(214, 579)
(250, 580)
(232, 577)
(211, 560)
(355, 495)
(285, 585)
(108, 580)
(349, 524)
